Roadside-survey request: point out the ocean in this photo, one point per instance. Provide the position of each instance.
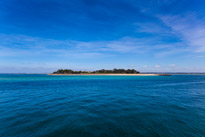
(102, 106)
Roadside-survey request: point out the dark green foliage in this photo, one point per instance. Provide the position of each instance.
(102, 71)
(121, 71)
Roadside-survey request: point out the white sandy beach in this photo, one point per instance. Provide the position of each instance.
(114, 74)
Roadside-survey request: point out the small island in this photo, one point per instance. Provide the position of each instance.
(120, 72)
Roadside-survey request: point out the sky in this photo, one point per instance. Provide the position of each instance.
(41, 36)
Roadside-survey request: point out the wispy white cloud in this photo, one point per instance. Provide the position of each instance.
(189, 28)
(153, 27)
(157, 66)
(172, 65)
(21, 45)
(192, 36)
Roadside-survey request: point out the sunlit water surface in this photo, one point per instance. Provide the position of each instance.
(42, 105)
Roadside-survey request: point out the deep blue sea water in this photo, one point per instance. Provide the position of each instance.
(115, 106)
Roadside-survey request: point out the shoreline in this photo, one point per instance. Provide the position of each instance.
(110, 74)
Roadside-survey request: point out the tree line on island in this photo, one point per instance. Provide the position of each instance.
(101, 71)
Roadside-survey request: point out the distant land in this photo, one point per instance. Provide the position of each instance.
(114, 71)
(88, 72)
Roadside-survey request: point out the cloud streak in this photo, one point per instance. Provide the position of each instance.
(189, 29)
(22, 45)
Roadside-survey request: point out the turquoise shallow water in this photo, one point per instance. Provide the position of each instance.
(41, 105)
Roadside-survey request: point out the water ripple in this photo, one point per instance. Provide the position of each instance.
(41, 105)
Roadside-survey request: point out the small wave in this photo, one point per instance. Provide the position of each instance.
(183, 83)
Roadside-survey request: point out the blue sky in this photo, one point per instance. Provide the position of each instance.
(38, 36)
